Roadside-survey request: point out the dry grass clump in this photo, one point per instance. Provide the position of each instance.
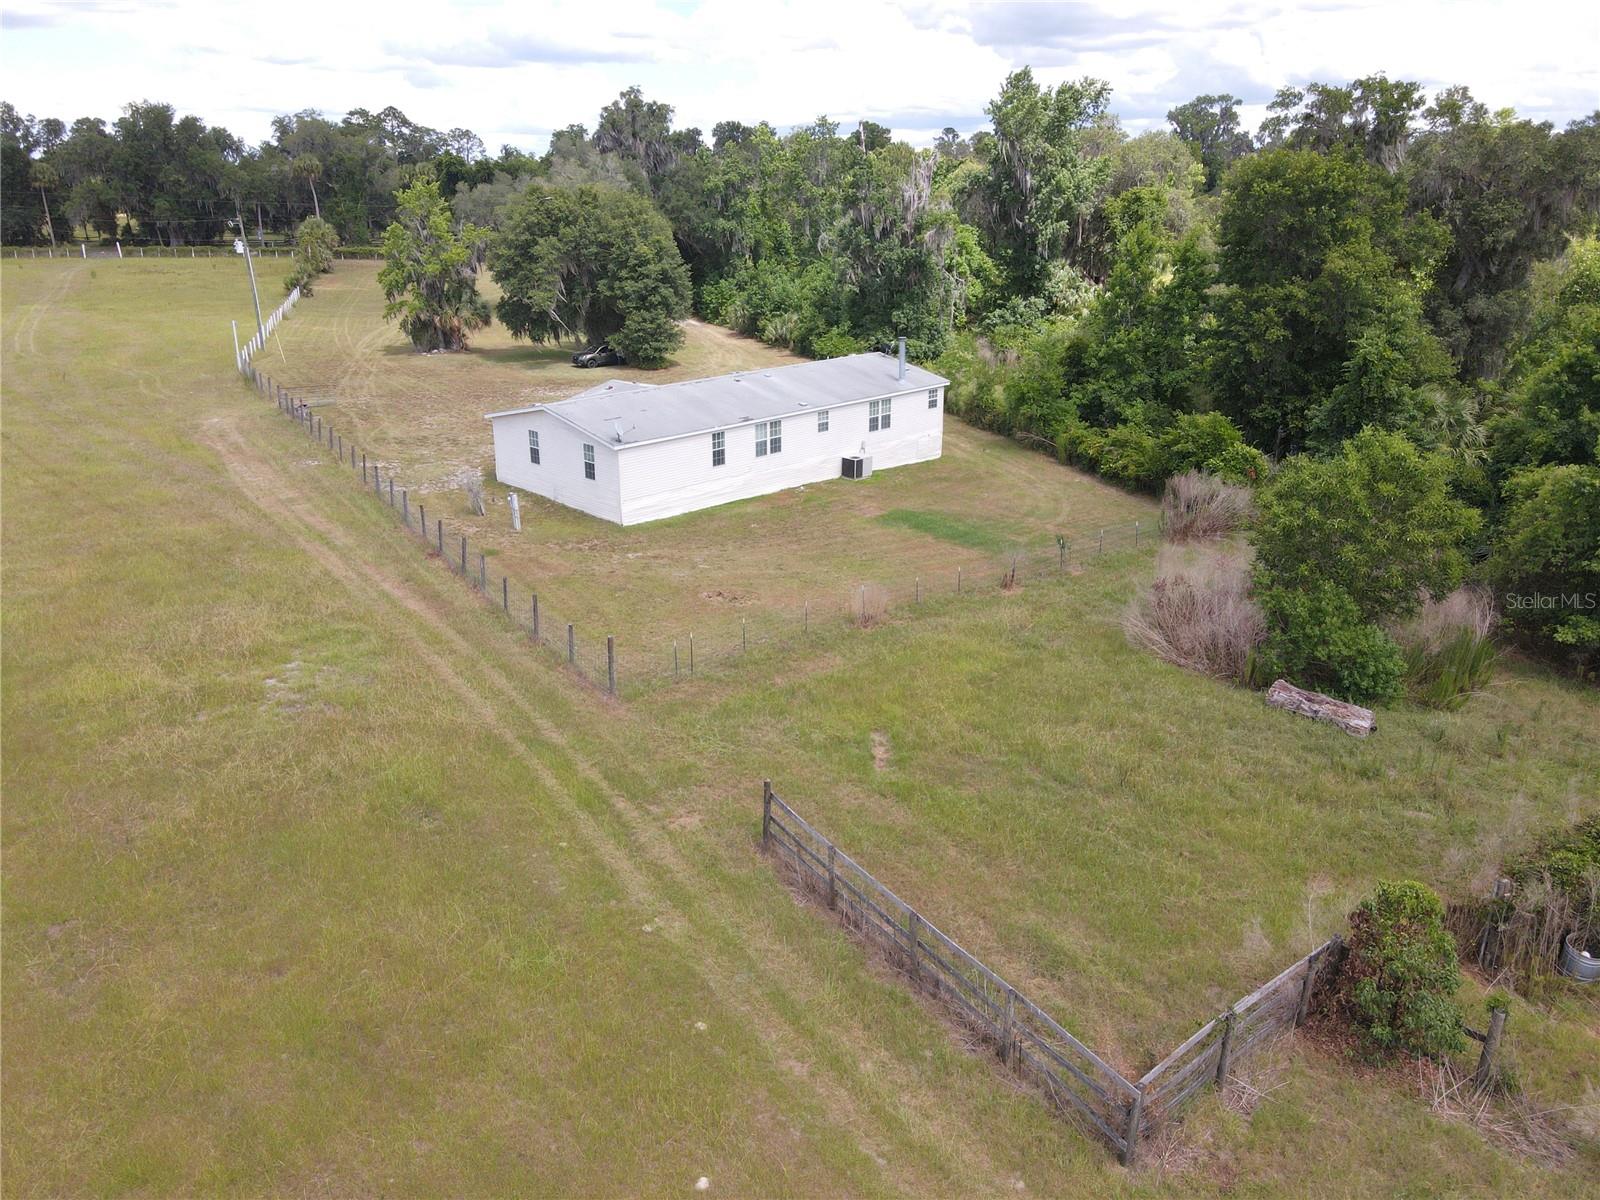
(1196, 506)
(1449, 647)
(1438, 622)
(1200, 617)
(1506, 1118)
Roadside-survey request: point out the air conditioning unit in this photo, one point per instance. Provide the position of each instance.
(856, 466)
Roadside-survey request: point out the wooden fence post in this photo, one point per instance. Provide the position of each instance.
(1227, 1039)
(1484, 1075)
(1304, 1006)
(766, 812)
(1130, 1131)
(611, 664)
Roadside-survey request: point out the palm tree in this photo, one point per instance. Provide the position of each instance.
(309, 168)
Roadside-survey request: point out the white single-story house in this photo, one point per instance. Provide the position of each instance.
(632, 452)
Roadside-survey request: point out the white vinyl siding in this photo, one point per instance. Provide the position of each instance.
(533, 446)
(588, 461)
(719, 449)
(822, 421)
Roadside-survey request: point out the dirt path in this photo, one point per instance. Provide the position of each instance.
(847, 1073)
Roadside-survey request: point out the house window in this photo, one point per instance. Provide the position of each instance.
(933, 397)
(533, 446)
(878, 415)
(822, 421)
(719, 449)
(588, 461)
(769, 437)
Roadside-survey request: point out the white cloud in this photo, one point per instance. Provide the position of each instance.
(506, 69)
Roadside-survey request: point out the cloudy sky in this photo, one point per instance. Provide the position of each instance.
(512, 71)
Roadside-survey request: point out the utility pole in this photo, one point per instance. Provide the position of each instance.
(244, 240)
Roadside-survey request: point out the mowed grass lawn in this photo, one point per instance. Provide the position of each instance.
(421, 417)
(317, 881)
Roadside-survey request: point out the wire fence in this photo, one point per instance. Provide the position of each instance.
(1030, 1043)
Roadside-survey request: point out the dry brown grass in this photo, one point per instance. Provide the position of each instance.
(1196, 506)
(1198, 616)
(1439, 622)
(1508, 1119)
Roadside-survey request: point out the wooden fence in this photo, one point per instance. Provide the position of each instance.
(1071, 1076)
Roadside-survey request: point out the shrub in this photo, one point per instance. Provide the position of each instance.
(1449, 648)
(1318, 639)
(1129, 456)
(1400, 980)
(977, 379)
(835, 343)
(1080, 445)
(1375, 521)
(314, 244)
(1199, 617)
(1195, 506)
(1239, 464)
(1194, 439)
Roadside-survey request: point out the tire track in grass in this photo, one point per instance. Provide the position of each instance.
(898, 1102)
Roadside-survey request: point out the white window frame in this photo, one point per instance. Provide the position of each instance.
(775, 437)
(761, 439)
(933, 397)
(822, 420)
(588, 460)
(533, 446)
(879, 414)
(719, 449)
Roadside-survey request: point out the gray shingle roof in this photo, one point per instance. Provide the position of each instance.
(645, 412)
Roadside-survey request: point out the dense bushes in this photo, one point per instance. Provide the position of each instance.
(1449, 648)
(1401, 977)
(1345, 543)
(1547, 560)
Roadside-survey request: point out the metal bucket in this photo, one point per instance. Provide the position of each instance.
(1575, 964)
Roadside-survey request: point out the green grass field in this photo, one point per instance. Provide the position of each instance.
(764, 560)
(316, 880)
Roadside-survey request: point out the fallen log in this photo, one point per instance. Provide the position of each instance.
(1352, 718)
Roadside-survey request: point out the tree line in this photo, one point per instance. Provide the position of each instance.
(1373, 271)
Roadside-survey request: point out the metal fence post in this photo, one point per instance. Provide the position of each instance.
(833, 879)
(913, 924)
(572, 645)
(675, 672)
(505, 595)
(611, 664)
(391, 491)
(691, 654)
(744, 637)
(405, 506)
(438, 527)
(483, 572)
(535, 616)
(958, 581)
(766, 812)
(463, 556)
